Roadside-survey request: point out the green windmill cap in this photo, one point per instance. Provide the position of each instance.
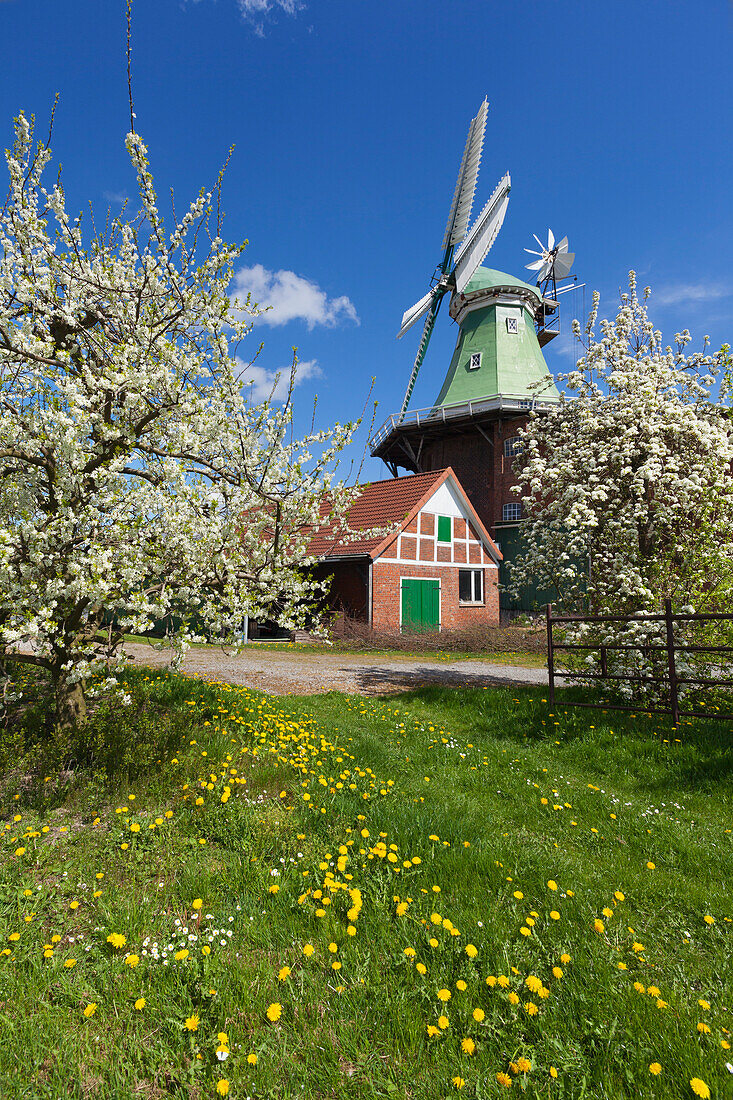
(484, 278)
(499, 329)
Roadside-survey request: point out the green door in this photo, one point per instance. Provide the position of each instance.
(420, 604)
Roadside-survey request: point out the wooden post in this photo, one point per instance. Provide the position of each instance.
(550, 657)
(673, 698)
(604, 661)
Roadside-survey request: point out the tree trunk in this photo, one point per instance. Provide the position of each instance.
(71, 706)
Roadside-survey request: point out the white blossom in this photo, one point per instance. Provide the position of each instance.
(136, 480)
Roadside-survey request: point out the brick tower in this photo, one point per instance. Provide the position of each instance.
(496, 375)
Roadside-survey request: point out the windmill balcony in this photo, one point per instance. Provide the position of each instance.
(466, 410)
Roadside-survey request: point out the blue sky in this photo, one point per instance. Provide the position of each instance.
(349, 119)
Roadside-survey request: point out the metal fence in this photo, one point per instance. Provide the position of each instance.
(672, 679)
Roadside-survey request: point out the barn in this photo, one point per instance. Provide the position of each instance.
(436, 569)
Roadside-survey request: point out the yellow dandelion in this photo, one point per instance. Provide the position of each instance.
(191, 1023)
(274, 1011)
(468, 1046)
(655, 1069)
(479, 1015)
(140, 1004)
(699, 1087)
(90, 1009)
(504, 1079)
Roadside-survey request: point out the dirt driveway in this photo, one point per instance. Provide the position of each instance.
(291, 672)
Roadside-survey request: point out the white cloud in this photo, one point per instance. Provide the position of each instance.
(257, 12)
(689, 293)
(262, 384)
(115, 196)
(290, 297)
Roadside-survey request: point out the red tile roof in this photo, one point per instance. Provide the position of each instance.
(380, 504)
(383, 504)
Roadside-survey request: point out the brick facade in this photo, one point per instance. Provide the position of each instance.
(480, 464)
(418, 546)
(349, 588)
(387, 599)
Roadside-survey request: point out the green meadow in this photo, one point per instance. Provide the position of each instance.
(212, 892)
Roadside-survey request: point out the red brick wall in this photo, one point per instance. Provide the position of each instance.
(386, 595)
(484, 473)
(349, 592)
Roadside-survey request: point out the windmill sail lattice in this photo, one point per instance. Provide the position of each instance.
(455, 273)
(460, 210)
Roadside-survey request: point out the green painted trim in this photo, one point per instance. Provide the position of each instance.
(445, 529)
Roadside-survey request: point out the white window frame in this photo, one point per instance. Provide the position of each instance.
(512, 446)
(472, 356)
(473, 602)
(507, 508)
(512, 325)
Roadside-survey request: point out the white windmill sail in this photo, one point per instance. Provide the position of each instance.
(414, 313)
(459, 269)
(483, 234)
(460, 210)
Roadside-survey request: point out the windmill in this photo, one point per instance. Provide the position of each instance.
(458, 265)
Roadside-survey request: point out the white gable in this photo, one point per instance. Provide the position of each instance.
(446, 502)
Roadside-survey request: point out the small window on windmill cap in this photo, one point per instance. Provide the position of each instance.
(512, 324)
(475, 361)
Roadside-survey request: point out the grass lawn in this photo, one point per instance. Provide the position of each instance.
(455, 893)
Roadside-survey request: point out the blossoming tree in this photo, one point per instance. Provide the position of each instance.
(136, 480)
(627, 485)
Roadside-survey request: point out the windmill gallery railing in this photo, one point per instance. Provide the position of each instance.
(675, 680)
(440, 414)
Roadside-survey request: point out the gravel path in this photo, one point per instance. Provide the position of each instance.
(280, 672)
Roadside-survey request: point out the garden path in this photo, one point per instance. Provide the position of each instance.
(281, 672)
